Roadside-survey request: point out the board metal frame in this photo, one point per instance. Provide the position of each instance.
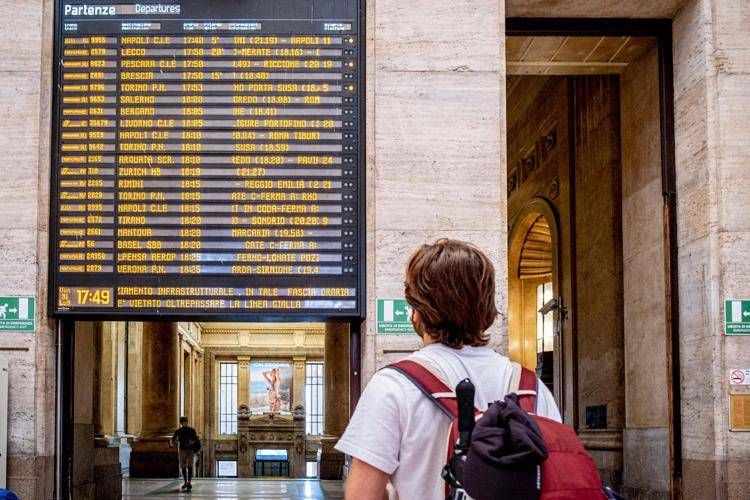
(65, 328)
(350, 316)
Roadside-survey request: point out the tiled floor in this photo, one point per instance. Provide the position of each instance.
(227, 489)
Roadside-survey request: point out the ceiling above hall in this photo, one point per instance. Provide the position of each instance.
(572, 55)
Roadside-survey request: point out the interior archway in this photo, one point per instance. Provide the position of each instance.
(532, 285)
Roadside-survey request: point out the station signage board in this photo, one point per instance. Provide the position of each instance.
(208, 159)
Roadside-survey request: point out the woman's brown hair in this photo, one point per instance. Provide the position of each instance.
(452, 285)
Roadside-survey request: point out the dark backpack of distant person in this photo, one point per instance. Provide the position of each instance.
(511, 453)
(196, 446)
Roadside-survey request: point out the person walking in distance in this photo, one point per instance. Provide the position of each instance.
(396, 433)
(187, 441)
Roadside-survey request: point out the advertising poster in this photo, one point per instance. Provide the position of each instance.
(270, 386)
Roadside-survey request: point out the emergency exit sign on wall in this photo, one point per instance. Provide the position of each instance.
(17, 314)
(394, 317)
(737, 317)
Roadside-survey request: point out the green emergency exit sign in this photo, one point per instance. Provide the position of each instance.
(737, 317)
(17, 314)
(394, 317)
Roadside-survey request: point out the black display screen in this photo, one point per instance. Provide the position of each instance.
(208, 159)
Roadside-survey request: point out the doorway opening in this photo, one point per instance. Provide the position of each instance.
(590, 270)
(533, 286)
(267, 400)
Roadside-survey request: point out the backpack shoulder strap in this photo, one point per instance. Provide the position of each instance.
(524, 383)
(430, 384)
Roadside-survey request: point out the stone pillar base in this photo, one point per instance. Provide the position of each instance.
(153, 458)
(330, 461)
(107, 472)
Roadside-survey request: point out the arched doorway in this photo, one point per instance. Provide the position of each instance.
(534, 303)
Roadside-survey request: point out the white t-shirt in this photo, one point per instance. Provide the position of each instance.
(398, 430)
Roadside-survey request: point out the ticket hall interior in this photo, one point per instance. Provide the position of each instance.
(267, 401)
(588, 264)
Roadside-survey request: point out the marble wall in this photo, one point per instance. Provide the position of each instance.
(436, 147)
(646, 437)
(712, 77)
(25, 70)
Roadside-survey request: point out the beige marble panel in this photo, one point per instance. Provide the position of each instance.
(731, 59)
(591, 8)
(21, 34)
(437, 141)
(44, 323)
(435, 156)
(18, 267)
(703, 411)
(731, 25)
(19, 107)
(45, 122)
(21, 408)
(699, 432)
(711, 67)
(735, 271)
(85, 360)
(697, 295)
(733, 108)
(46, 378)
(368, 340)
(694, 289)
(393, 251)
(693, 209)
(639, 122)
(645, 340)
(406, 40)
(642, 220)
(691, 155)
(691, 120)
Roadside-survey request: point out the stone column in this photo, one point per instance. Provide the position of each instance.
(105, 412)
(298, 381)
(180, 353)
(422, 79)
(711, 78)
(134, 374)
(84, 401)
(97, 404)
(160, 396)
(336, 379)
(243, 380)
(196, 382)
(198, 393)
(96, 469)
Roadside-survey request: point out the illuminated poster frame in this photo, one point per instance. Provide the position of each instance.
(65, 298)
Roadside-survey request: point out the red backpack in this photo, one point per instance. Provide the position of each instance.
(568, 472)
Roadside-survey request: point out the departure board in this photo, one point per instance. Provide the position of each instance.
(208, 159)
